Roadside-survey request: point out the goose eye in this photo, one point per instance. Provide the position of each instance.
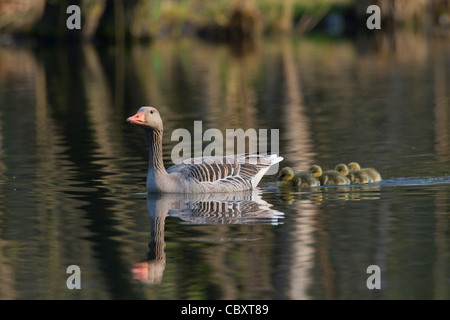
(151, 111)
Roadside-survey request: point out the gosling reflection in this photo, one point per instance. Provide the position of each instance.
(215, 208)
(351, 193)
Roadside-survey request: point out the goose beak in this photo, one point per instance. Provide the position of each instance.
(138, 118)
(279, 179)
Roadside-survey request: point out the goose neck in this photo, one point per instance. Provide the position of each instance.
(155, 150)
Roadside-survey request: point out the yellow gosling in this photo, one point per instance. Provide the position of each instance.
(356, 177)
(376, 177)
(304, 179)
(329, 177)
(287, 178)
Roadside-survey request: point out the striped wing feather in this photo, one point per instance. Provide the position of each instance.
(228, 169)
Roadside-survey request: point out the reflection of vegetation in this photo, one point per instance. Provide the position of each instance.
(70, 167)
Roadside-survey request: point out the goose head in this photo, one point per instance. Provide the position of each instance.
(286, 174)
(354, 166)
(148, 117)
(316, 171)
(342, 168)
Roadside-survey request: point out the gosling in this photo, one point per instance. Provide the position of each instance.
(329, 177)
(356, 177)
(376, 177)
(287, 178)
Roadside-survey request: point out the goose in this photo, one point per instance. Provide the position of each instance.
(329, 177)
(198, 175)
(376, 177)
(356, 177)
(287, 178)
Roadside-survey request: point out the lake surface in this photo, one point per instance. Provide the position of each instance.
(73, 171)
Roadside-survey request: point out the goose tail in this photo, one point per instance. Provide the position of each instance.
(267, 167)
(274, 158)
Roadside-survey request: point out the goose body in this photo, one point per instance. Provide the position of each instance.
(198, 175)
(329, 177)
(356, 177)
(287, 178)
(376, 177)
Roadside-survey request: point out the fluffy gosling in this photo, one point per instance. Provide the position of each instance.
(329, 177)
(356, 177)
(376, 177)
(287, 178)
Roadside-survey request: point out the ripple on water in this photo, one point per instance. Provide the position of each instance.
(417, 181)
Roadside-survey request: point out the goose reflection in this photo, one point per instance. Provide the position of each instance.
(210, 208)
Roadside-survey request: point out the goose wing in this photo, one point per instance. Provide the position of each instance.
(233, 169)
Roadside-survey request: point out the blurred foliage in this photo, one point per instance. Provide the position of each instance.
(119, 20)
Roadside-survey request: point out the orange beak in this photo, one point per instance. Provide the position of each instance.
(138, 118)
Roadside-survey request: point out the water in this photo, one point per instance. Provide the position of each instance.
(72, 171)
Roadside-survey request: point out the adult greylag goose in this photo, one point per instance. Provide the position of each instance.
(287, 178)
(356, 177)
(329, 177)
(198, 175)
(376, 177)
